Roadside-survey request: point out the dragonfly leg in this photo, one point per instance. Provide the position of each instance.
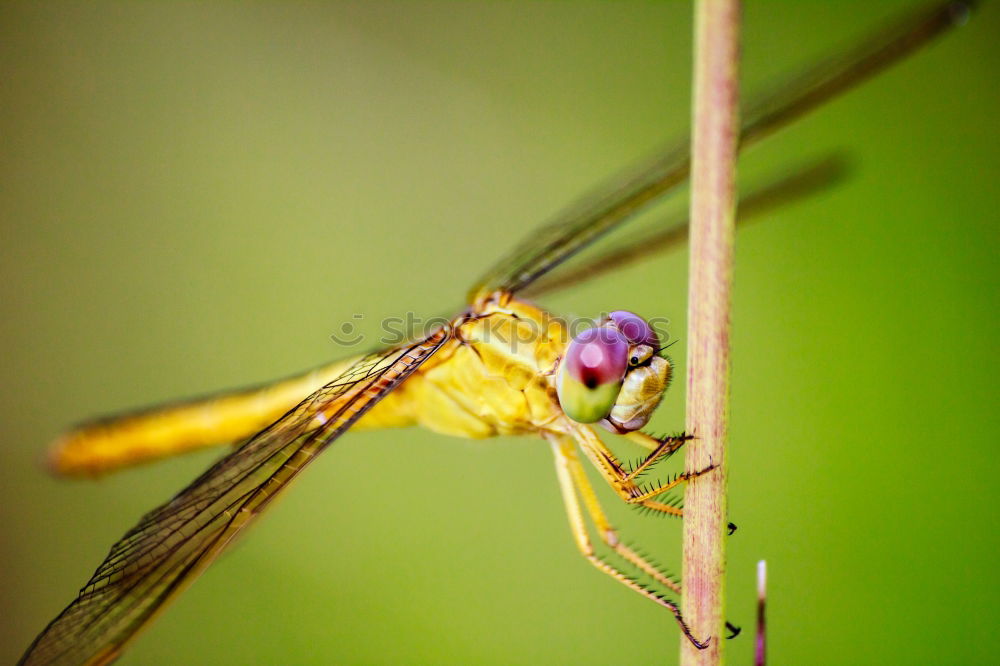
(622, 482)
(573, 480)
(566, 454)
(661, 449)
(642, 439)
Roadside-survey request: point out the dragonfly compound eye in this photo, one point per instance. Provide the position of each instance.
(635, 328)
(591, 374)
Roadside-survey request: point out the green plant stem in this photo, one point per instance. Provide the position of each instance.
(713, 206)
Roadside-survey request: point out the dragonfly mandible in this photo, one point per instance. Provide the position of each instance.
(464, 378)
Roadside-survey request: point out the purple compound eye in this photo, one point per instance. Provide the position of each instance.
(591, 374)
(635, 328)
(599, 355)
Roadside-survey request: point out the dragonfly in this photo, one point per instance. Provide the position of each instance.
(501, 366)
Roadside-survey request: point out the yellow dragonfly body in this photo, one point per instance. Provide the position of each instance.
(494, 369)
(493, 377)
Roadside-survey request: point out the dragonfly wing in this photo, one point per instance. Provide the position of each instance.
(585, 221)
(672, 232)
(173, 543)
(610, 205)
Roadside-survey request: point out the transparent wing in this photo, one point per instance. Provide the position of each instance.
(671, 233)
(172, 544)
(584, 222)
(608, 206)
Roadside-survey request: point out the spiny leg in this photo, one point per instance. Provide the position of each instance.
(663, 447)
(601, 523)
(660, 448)
(623, 482)
(642, 439)
(566, 460)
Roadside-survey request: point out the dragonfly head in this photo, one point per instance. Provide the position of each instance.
(612, 374)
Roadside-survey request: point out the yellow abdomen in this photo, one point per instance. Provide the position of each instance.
(489, 380)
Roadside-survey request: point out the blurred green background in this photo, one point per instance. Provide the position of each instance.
(197, 197)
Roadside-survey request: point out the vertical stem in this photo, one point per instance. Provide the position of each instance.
(713, 171)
